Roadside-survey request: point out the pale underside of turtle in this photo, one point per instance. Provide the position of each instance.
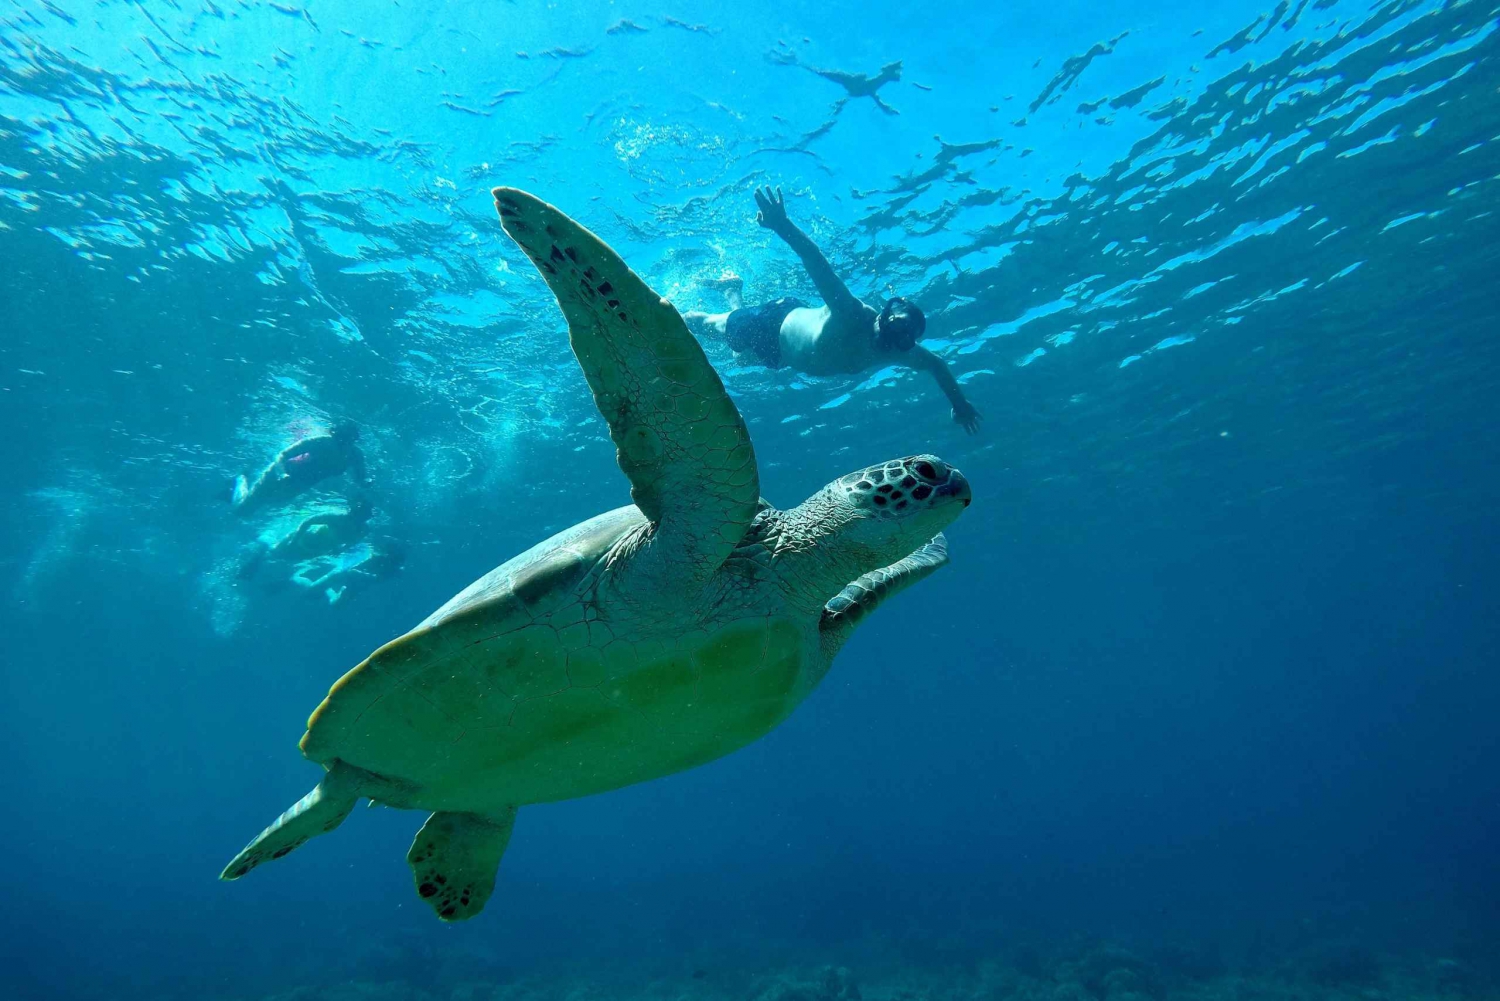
(644, 641)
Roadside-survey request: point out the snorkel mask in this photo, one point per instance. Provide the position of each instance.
(900, 324)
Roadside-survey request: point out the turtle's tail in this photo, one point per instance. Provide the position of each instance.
(319, 812)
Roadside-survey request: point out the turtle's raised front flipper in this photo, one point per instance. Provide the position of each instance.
(455, 857)
(845, 609)
(680, 439)
(319, 812)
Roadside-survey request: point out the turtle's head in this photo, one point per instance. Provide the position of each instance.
(868, 520)
(893, 508)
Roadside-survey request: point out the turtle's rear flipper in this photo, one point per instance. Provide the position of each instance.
(455, 857)
(319, 812)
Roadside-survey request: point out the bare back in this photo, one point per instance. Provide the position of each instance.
(819, 341)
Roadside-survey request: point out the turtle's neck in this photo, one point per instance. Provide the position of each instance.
(810, 553)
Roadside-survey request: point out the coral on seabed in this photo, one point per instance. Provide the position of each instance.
(1101, 972)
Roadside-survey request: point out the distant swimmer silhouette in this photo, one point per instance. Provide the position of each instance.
(319, 534)
(353, 569)
(299, 466)
(855, 84)
(843, 336)
(862, 84)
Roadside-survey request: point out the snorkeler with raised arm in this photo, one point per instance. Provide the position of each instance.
(841, 337)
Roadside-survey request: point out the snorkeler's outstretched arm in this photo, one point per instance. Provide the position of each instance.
(964, 413)
(357, 466)
(772, 216)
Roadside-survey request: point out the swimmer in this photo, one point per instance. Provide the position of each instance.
(299, 466)
(318, 534)
(841, 337)
(355, 568)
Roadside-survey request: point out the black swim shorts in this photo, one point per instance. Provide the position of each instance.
(756, 331)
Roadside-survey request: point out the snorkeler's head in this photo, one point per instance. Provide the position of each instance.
(900, 325)
(345, 431)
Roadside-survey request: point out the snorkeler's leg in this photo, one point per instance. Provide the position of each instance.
(706, 326)
(239, 491)
(733, 288)
(269, 487)
(248, 495)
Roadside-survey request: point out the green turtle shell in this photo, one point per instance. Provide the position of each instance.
(536, 684)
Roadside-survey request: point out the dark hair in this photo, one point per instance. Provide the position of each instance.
(900, 325)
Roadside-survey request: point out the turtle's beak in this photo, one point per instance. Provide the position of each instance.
(946, 481)
(957, 487)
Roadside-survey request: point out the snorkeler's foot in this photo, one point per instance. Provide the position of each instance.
(695, 320)
(706, 326)
(732, 286)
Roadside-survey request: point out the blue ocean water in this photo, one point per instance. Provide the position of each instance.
(1205, 703)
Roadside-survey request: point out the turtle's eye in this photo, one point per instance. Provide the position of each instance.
(925, 470)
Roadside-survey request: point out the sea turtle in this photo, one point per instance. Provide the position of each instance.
(644, 641)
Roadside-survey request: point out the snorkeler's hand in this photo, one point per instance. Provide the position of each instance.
(966, 416)
(772, 214)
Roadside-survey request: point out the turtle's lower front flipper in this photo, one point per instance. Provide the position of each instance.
(319, 812)
(455, 857)
(860, 597)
